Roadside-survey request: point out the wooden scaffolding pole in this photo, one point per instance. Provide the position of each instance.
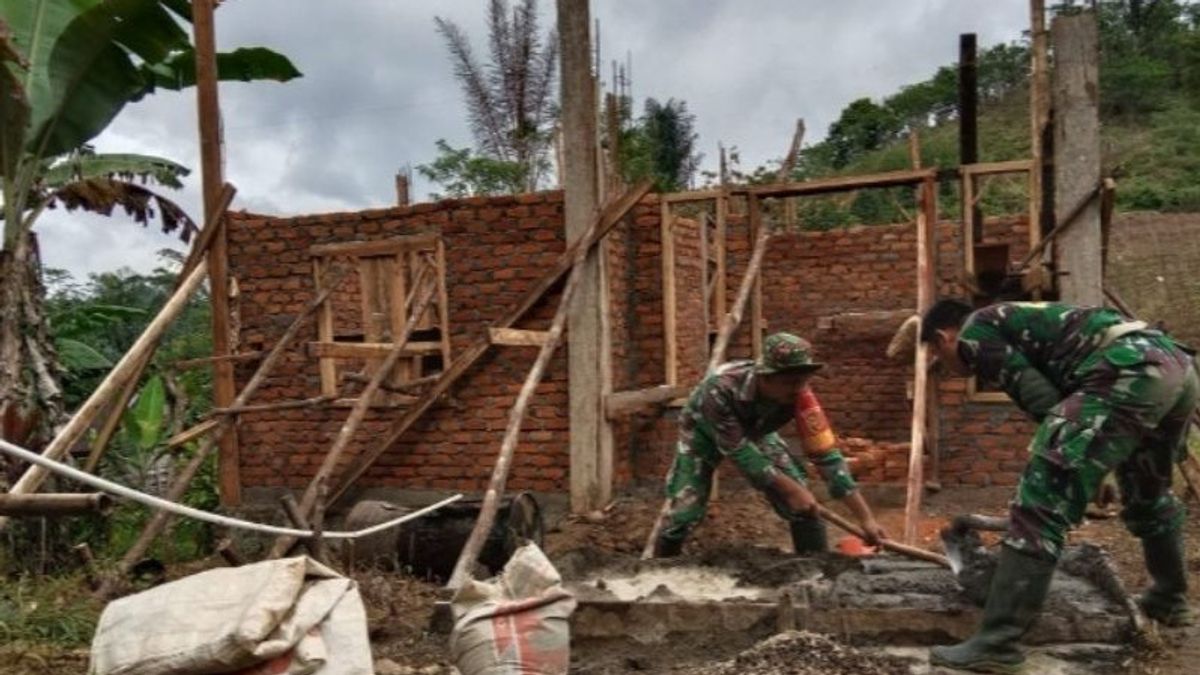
(926, 288)
(70, 434)
(161, 519)
(754, 208)
(609, 217)
(196, 257)
(308, 500)
(491, 498)
(211, 172)
(728, 324)
(670, 303)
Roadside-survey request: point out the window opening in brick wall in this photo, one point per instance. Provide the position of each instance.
(359, 325)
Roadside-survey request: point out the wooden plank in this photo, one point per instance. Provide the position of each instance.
(515, 337)
(730, 322)
(161, 520)
(838, 183)
(443, 302)
(187, 364)
(756, 317)
(993, 168)
(278, 405)
(191, 434)
(368, 287)
(926, 289)
(380, 247)
(607, 219)
(624, 403)
(491, 497)
(670, 347)
(212, 178)
(313, 493)
(368, 350)
(1077, 155)
(328, 367)
(705, 295)
(720, 236)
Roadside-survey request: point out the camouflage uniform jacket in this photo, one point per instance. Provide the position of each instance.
(1034, 351)
(725, 416)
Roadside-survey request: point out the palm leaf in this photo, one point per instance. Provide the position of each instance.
(147, 168)
(77, 356)
(103, 195)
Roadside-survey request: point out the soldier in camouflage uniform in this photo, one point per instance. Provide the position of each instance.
(1110, 394)
(735, 412)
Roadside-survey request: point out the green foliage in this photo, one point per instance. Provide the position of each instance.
(1150, 114)
(106, 315)
(54, 609)
(465, 174)
(661, 145)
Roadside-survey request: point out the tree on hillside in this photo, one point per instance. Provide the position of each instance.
(66, 70)
(510, 99)
(661, 146)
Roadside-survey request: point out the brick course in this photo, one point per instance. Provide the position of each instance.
(498, 247)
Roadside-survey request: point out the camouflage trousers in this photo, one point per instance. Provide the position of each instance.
(689, 482)
(1129, 415)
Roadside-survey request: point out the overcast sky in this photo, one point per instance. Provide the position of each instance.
(378, 91)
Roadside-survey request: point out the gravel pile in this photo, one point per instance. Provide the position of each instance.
(802, 653)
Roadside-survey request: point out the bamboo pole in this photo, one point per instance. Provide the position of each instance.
(281, 405)
(728, 324)
(195, 257)
(926, 221)
(357, 414)
(160, 521)
(126, 368)
(491, 498)
(612, 214)
(69, 504)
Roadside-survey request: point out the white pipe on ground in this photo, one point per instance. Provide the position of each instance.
(214, 518)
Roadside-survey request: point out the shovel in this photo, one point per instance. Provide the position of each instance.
(970, 561)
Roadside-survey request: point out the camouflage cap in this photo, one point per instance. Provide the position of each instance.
(784, 352)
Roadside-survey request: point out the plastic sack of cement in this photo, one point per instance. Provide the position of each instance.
(292, 616)
(515, 624)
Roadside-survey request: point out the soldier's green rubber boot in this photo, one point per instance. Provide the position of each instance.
(1018, 590)
(1166, 601)
(665, 547)
(808, 536)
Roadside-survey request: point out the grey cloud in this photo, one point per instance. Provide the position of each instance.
(378, 91)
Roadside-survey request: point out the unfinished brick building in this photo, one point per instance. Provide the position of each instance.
(847, 290)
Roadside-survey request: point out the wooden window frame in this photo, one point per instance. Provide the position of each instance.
(386, 269)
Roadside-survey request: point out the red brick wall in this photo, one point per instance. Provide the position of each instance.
(497, 247)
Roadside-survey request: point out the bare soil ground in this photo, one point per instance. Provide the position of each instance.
(743, 517)
(400, 607)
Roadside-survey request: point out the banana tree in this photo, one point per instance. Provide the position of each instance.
(67, 68)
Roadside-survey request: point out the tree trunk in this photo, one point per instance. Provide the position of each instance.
(30, 395)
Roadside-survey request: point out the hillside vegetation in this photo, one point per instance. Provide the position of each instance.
(1150, 121)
